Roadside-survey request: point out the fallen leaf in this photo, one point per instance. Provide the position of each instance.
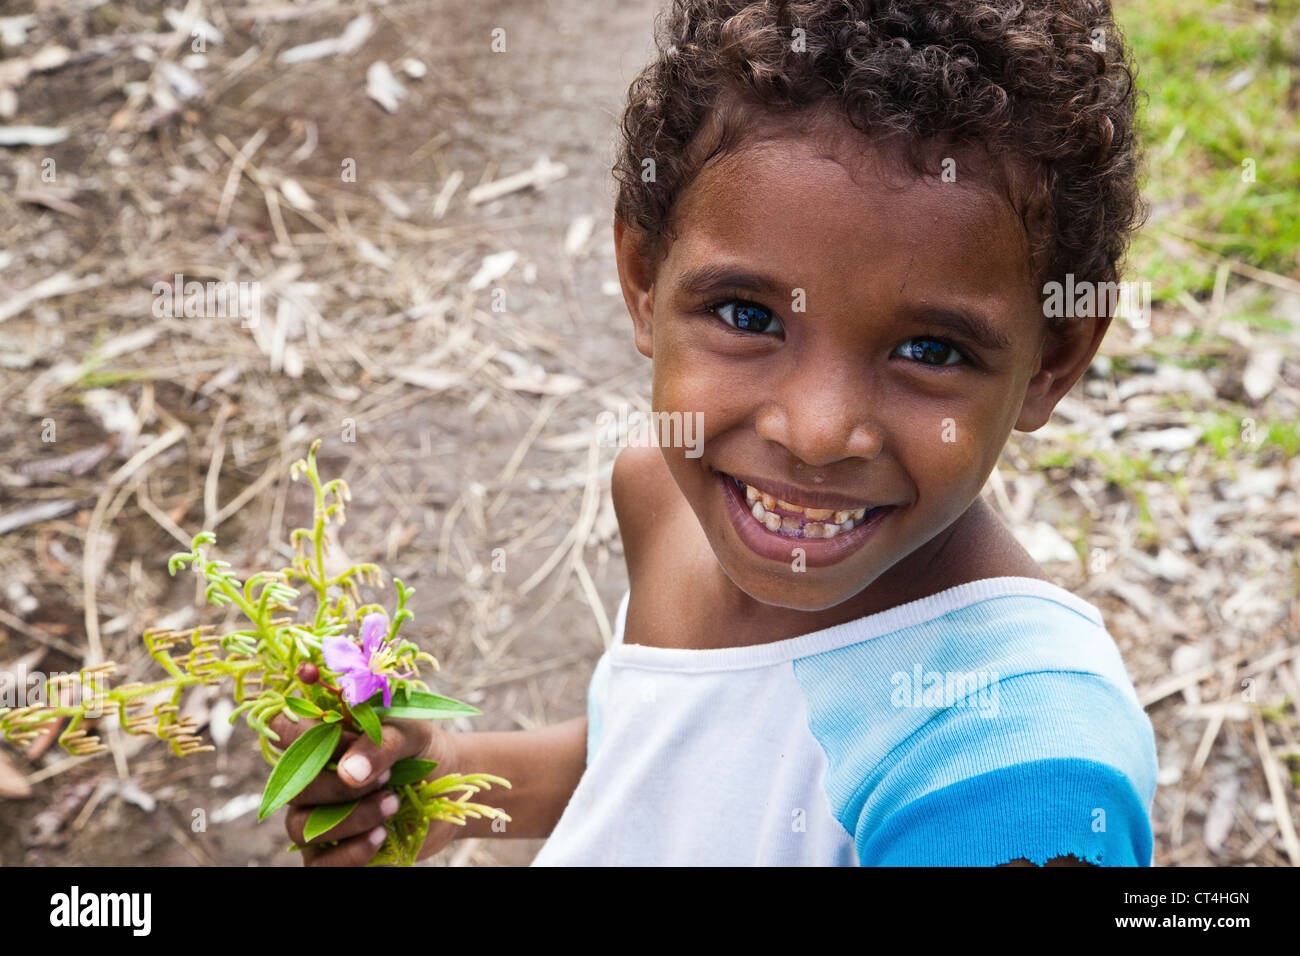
(493, 267)
(13, 784)
(354, 35)
(384, 88)
(67, 803)
(1219, 818)
(32, 135)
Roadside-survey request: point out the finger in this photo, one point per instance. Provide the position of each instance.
(365, 760)
(356, 851)
(370, 813)
(329, 788)
(287, 730)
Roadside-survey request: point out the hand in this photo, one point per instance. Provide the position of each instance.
(363, 769)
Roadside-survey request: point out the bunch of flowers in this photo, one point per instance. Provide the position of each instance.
(279, 664)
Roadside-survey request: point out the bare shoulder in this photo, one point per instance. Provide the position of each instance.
(645, 496)
(994, 547)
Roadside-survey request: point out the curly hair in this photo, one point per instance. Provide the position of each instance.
(1044, 88)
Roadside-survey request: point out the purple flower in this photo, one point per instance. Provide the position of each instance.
(365, 669)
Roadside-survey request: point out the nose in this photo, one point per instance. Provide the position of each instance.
(824, 421)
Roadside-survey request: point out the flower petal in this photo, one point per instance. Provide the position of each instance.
(360, 686)
(343, 655)
(374, 628)
(348, 687)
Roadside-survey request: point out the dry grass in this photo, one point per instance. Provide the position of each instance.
(473, 427)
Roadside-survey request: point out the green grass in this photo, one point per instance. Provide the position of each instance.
(1262, 320)
(1284, 435)
(1056, 458)
(1197, 134)
(1124, 471)
(1223, 433)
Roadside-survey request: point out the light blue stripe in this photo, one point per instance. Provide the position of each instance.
(596, 687)
(596, 704)
(1045, 684)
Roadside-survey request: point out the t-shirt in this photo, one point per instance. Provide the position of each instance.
(990, 722)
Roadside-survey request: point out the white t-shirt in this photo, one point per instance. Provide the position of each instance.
(990, 722)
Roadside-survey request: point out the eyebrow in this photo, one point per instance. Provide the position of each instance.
(715, 279)
(971, 325)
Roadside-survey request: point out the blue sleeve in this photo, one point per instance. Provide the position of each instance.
(1062, 765)
(1034, 811)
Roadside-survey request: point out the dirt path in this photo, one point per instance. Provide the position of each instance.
(425, 473)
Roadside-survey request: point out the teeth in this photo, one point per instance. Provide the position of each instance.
(800, 522)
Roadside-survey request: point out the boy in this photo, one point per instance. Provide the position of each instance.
(831, 650)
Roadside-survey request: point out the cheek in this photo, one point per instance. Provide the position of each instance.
(949, 448)
(692, 380)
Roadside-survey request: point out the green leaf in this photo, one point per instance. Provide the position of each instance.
(298, 767)
(326, 817)
(331, 716)
(409, 771)
(303, 707)
(365, 716)
(422, 706)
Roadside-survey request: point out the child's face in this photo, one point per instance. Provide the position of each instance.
(854, 385)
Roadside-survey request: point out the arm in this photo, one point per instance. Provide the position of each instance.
(543, 767)
(1037, 783)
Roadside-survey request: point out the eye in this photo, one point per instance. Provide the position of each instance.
(930, 351)
(747, 316)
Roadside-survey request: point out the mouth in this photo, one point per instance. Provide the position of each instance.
(827, 527)
(799, 521)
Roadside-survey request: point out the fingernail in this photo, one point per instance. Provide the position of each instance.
(377, 836)
(383, 777)
(388, 806)
(357, 767)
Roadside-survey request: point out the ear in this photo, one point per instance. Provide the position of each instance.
(1063, 357)
(637, 279)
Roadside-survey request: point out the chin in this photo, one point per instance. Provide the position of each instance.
(811, 590)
